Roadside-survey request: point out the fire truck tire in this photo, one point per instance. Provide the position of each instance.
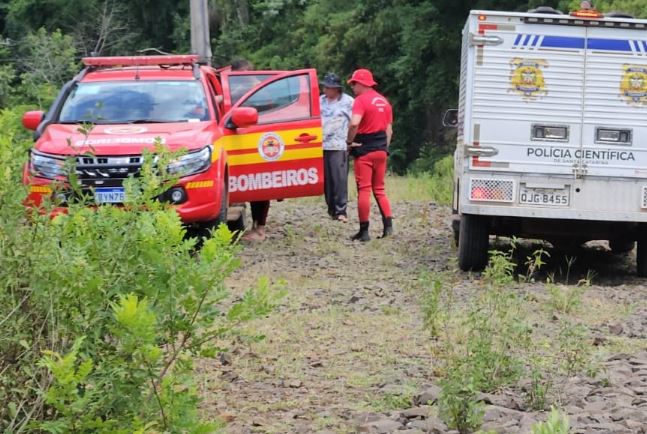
(641, 258)
(619, 246)
(473, 242)
(204, 228)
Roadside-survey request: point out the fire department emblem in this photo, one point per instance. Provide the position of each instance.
(126, 130)
(270, 146)
(527, 77)
(633, 86)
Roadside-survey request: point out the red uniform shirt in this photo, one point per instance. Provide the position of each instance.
(375, 110)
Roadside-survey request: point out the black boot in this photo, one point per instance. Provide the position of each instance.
(388, 227)
(362, 235)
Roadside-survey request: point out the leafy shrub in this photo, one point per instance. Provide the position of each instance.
(103, 309)
(482, 351)
(458, 405)
(557, 423)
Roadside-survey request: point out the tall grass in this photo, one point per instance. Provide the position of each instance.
(430, 186)
(435, 186)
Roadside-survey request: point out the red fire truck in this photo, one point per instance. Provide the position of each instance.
(247, 135)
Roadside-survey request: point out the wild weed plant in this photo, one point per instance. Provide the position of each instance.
(103, 309)
(490, 345)
(557, 423)
(564, 299)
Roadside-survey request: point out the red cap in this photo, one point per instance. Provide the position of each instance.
(362, 76)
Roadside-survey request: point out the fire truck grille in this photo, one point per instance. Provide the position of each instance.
(491, 190)
(107, 171)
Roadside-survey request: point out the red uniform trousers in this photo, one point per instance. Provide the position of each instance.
(370, 170)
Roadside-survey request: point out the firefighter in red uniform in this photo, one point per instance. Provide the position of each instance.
(369, 136)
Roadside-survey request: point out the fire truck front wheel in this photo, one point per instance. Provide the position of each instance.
(204, 228)
(473, 240)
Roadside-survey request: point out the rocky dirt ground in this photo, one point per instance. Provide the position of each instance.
(347, 350)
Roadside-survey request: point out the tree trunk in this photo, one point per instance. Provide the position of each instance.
(242, 11)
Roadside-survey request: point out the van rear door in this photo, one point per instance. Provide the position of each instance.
(528, 89)
(614, 132)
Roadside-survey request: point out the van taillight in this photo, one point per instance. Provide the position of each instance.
(491, 190)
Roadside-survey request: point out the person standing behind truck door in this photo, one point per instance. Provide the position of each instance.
(336, 107)
(260, 209)
(369, 136)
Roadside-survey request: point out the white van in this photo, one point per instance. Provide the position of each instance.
(552, 131)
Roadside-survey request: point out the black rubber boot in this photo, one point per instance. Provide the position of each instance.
(362, 235)
(388, 227)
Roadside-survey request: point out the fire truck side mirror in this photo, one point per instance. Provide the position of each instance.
(242, 117)
(32, 119)
(450, 118)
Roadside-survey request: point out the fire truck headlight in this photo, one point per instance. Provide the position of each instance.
(192, 163)
(47, 166)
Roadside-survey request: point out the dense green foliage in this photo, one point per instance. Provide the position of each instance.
(103, 310)
(413, 47)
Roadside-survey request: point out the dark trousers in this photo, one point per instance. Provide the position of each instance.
(259, 211)
(336, 181)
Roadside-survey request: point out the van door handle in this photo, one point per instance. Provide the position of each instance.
(305, 138)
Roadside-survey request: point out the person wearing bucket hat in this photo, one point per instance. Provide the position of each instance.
(369, 136)
(336, 109)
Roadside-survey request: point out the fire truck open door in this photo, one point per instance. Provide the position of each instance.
(280, 156)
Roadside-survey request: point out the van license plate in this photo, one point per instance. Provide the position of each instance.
(109, 195)
(544, 196)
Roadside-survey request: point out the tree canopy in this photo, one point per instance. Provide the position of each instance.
(412, 47)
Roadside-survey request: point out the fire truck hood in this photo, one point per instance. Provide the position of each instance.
(124, 139)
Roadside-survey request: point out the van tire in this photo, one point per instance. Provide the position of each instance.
(641, 258)
(619, 246)
(456, 228)
(473, 242)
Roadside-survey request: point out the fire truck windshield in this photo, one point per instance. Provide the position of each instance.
(119, 102)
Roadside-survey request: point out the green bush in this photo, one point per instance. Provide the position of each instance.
(103, 310)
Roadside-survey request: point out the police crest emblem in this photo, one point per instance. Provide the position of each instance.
(633, 85)
(527, 77)
(270, 146)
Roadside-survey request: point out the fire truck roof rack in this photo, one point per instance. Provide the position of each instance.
(93, 63)
(171, 60)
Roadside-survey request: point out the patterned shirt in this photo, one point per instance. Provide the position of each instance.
(335, 116)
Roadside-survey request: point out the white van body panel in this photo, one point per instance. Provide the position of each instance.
(542, 100)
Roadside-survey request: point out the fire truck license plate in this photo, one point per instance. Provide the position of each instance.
(109, 195)
(544, 196)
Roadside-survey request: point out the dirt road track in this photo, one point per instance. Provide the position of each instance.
(347, 349)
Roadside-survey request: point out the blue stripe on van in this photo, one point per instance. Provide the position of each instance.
(562, 42)
(579, 43)
(525, 41)
(518, 39)
(608, 44)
